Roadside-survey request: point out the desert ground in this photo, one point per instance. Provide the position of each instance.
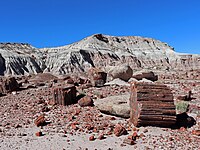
(85, 127)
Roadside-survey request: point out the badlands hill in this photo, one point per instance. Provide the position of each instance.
(94, 51)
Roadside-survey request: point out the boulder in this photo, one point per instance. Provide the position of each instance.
(145, 74)
(119, 130)
(8, 84)
(85, 101)
(97, 77)
(123, 72)
(114, 105)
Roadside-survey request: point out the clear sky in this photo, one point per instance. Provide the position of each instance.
(47, 23)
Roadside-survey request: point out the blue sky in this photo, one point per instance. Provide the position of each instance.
(47, 23)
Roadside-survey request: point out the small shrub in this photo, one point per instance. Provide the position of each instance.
(181, 106)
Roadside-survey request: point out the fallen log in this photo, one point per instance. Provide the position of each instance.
(64, 95)
(152, 105)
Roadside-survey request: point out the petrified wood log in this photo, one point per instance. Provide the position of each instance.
(152, 105)
(8, 84)
(97, 77)
(64, 95)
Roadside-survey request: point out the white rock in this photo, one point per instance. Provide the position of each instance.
(117, 81)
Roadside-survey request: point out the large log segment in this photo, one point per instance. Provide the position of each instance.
(152, 105)
(64, 95)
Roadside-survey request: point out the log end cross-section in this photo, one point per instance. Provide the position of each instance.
(152, 105)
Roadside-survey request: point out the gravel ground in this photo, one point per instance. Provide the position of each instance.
(70, 127)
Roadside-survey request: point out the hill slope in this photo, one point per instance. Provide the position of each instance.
(94, 51)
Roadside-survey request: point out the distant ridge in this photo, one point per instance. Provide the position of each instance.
(97, 50)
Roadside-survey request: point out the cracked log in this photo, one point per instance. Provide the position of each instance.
(64, 95)
(152, 105)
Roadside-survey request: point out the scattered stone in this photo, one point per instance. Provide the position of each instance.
(129, 141)
(182, 129)
(145, 130)
(92, 138)
(187, 97)
(38, 133)
(141, 135)
(40, 121)
(101, 137)
(97, 77)
(135, 129)
(135, 135)
(74, 126)
(119, 130)
(22, 134)
(85, 101)
(14, 93)
(18, 126)
(196, 132)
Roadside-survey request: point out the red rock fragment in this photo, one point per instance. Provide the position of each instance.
(85, 101)
(77, 111)
(171, 138)
(141, 135)
(112, 118)
(74, 127)
(89, 127)
(135, 129)
(196, 132)
(101, 137)
(95, 130)
(135, 134)
(130, 137)
(92, 138)
(40, 121)
(109, 133)
(99, 115)
(128, 141)
(38, 133)
(119, 130)
(145, 130)
(182, 129)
